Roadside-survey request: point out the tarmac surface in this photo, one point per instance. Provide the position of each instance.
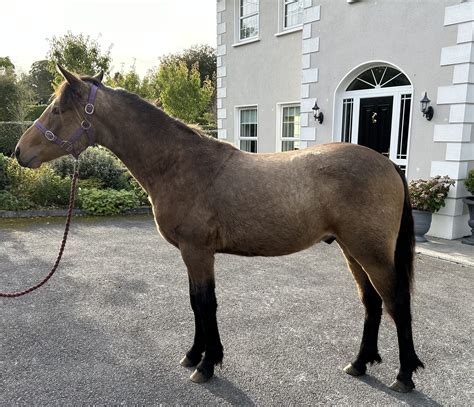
(113, 323)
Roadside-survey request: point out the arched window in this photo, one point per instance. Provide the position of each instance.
(379, 77)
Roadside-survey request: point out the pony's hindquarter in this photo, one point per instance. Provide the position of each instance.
(384, 272)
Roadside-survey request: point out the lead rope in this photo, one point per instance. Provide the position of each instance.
(72, 195)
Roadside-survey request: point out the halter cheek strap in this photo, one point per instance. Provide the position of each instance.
(86, 127)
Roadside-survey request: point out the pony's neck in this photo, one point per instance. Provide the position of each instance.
(152, 145)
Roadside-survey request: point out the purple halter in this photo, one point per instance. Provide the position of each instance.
(86, 127)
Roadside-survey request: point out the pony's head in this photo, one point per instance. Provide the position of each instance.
(65, 126)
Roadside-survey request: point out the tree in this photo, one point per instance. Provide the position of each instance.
(6, 66)
(15, 96)
(40, 79)
(181, 93)
(127, 80)
(77, 53)
(204, 55)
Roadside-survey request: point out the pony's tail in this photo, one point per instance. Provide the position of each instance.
(405, 248)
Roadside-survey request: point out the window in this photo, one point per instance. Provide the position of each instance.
(290, 128)
(248, 19)
(347, 107)
(292, 13)
(248, 129)
(379, 77)
(403, 128)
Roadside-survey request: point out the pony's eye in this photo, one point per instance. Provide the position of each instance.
(55, 110)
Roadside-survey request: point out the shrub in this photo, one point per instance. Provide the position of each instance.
(140, 193)
(107, 201)
(96, 163)
(42, 187)
(3, 172)
(10, 133)
(469, 182)
(430, 195)
(10, 202)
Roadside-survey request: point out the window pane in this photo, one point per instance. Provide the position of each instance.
(248, 7)
(293, 13)
(404, 125)
(347, 120)
(249, 27)
(248, 145)
(290, 128)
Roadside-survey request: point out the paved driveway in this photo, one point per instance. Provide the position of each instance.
(111, 326)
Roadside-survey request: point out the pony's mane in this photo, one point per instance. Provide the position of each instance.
(64, 93)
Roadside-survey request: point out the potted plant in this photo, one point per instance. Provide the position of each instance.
(427, 197)
(469, 201)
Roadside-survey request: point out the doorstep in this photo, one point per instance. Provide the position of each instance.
(450, 250)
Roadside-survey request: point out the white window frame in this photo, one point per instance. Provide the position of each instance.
(239, 20)
(279, 124)
(238, 109)
(284, 3)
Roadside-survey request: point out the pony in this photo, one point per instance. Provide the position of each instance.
(209, 197)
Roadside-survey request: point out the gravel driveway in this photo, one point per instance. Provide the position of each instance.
(112, 324)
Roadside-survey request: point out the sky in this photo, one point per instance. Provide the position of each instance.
(141, 30)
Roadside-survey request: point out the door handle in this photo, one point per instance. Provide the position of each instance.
(374, 117)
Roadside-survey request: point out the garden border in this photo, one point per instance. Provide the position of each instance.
(43, 213)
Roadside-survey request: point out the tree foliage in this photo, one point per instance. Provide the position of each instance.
(181, 93)
(41, 79)
(7, 65)
(130, 80)
(203, 55)
(77, 53)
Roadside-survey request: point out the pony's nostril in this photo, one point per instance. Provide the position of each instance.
(17, 152)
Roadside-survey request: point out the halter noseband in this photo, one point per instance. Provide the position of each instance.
(86, 127)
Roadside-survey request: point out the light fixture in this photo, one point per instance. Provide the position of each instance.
(318, 115)
(425, 108)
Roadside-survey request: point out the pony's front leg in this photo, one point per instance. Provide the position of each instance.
(200, 265)
(194, 355)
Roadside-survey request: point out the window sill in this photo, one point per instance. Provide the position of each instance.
(289, 31)
(245, 42)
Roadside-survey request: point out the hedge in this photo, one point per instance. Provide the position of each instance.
(10, 133)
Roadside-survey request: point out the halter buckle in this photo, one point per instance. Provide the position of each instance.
(89, 108)
(67, 146)
(86, 125)
(49, 135)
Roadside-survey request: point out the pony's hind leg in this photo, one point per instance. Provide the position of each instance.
(394, 288)
(200, 265)
(368, 352)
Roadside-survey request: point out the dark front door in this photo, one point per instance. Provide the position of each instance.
(375, 123)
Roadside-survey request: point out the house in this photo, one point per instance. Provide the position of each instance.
(367, 64)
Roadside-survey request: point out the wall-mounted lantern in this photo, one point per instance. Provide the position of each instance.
(426, 109)
(318, 115)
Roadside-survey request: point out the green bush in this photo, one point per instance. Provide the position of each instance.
(35, 111)
(139, 192)
(96, 163)
(41, 187)
(107, 201)
(469, 182)
(10, 133)
(10, 202)
(3, 172)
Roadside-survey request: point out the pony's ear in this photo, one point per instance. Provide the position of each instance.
(72, 79)
(99, 76)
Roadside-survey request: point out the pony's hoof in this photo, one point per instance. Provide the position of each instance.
(350, 369)
(199, 376)
(401, 387)
(187, 362)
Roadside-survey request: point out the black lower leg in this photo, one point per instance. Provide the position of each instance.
(409, 361)
(368, 352)
(207, 305)
(194, 355)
